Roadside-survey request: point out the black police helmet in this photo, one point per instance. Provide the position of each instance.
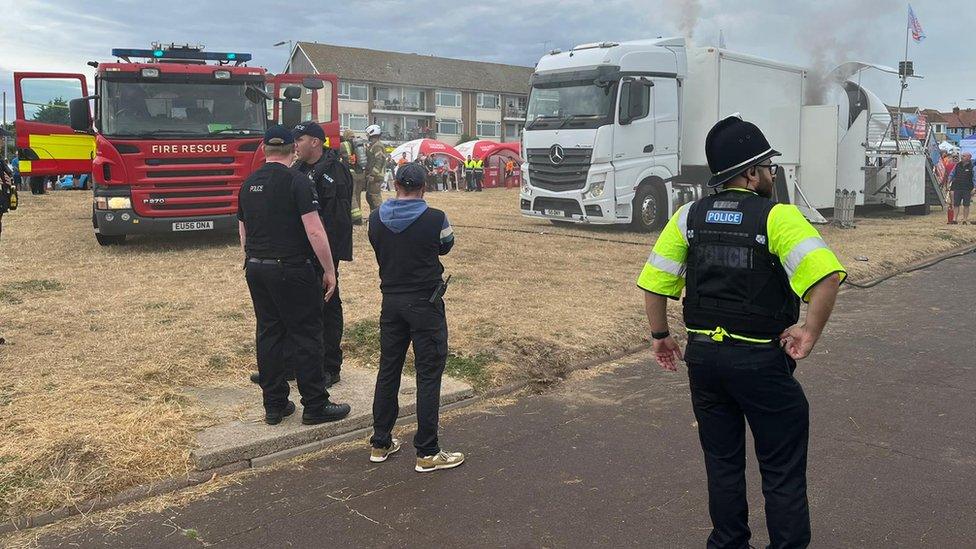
(733, 146)
(411, 175)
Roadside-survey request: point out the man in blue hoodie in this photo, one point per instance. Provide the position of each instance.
(409, 237)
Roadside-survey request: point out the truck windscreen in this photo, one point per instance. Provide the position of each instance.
(571, 104)
(179, 109)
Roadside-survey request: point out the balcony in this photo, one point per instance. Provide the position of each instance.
(396, 106)
(513, 113)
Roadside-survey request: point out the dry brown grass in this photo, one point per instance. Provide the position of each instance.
(102, 341)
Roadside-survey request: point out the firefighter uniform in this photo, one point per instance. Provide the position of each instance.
(745, 263)
(348, 156)
(375, 167)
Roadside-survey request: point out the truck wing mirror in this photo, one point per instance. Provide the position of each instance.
(255, 94)
(292, 92)
(634, 100)
(291, 113)
(79, 115)
(625, 89)
(312, 83)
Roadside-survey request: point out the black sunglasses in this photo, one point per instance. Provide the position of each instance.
(773, 168)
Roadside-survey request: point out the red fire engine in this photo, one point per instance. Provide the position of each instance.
(174, 132)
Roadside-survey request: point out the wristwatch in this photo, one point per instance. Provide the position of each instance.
(660, 335)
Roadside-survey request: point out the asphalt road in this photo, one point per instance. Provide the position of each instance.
(611, 458)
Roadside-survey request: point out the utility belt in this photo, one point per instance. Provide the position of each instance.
(294, 260)
(721, 336)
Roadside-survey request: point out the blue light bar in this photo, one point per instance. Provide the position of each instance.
(126, 53)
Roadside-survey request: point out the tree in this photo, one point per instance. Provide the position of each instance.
(465, 138)
(55, 112)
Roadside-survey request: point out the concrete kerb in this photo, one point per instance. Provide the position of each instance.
(199, 477)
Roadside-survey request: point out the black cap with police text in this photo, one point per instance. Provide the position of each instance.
(733, 146)
(411, 175)
(278, 135)
(310, 129)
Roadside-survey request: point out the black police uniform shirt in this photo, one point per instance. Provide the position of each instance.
(332, 205)
(271, 205)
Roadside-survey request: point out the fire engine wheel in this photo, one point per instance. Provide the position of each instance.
(110, 239)
(650, 209)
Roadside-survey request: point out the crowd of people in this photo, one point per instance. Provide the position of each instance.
(958, 179)
(442, 172)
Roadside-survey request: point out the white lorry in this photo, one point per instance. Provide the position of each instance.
(615, 132)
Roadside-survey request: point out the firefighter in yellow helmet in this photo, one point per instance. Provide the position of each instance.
(745, 263)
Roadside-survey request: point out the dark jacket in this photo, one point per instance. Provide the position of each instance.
(333, 184)
(409, 237)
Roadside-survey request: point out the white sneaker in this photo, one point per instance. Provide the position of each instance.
(379, 455)
(442, 460)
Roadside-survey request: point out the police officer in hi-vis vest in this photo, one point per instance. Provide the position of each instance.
(745, 263)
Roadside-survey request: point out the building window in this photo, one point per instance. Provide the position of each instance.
(353, 92)
(511, 131)
(488, 100)
(488, 129)
(354, 122)
(449, 127)
(515, 103)
(448, 98)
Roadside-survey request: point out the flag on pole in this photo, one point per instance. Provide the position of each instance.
(917, 33)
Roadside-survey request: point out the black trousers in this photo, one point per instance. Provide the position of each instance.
(405, 319)
(288, 307)
(732, 383)
(332, 331)
(478, 177)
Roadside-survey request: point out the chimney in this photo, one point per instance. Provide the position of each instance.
(955, 110)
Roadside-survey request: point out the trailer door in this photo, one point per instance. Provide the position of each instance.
(45, 141)
(318, 105)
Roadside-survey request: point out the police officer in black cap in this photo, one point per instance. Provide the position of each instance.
(745, 263)
(409, 237)
(281, 233)
(333, 183)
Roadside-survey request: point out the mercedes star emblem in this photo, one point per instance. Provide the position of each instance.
(556, 154)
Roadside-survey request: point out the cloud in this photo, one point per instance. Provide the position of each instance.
(62, 35)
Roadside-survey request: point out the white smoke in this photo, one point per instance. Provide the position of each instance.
(687, 13)
(838, 32)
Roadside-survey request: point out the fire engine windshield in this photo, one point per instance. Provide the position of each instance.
(179, 109)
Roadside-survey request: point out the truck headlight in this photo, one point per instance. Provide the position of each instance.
(113, 203)
(596, 189)
(526, 189)
(120, 203)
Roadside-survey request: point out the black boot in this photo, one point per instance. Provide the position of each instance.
(325, 414)
(274, 417)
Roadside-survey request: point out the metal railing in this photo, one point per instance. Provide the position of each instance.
(398, 105)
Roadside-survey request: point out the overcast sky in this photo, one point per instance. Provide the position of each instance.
(61, 35)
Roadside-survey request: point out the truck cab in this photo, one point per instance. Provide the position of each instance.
(602, 138)
(174, 132)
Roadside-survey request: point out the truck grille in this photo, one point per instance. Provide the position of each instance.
(188, 173)
(568, 175)
(196, 160)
